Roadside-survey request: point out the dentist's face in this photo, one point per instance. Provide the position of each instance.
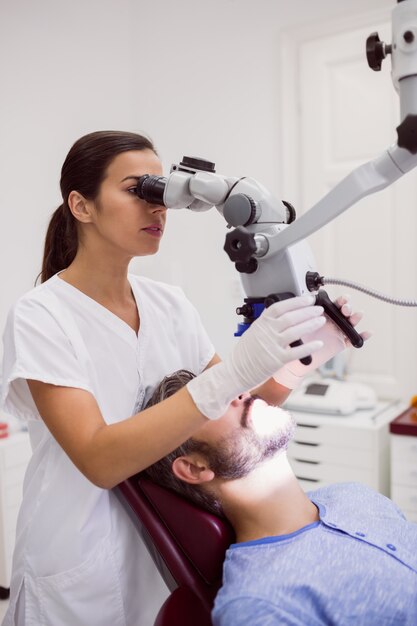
(122, 221)
(250, 432)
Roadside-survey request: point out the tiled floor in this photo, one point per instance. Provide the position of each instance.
(3, 608)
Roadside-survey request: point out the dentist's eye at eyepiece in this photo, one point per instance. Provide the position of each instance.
(151, 188)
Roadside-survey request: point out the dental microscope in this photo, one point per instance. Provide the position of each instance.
(266, 241)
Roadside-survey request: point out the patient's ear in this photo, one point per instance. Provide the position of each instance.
(192, 469)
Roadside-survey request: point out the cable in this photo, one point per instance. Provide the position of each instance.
(327, 280)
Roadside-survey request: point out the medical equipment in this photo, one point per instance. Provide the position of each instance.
(257, 217)
(267, 241)
(329, 396)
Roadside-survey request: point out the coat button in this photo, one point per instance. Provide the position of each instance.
(391, 547)
(360, 534)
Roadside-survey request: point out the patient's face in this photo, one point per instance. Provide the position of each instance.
(246, 412)
(250, 432)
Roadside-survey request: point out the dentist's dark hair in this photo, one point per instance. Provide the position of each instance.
(83, 170)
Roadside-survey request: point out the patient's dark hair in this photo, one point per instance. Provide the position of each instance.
(161, 471)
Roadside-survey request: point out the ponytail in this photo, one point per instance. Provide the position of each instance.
(61, 243)
(83, 170)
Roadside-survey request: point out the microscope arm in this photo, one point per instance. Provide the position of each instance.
(394, 162)
(363, 181)
(267, 243)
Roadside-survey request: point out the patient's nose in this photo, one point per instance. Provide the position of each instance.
(241, 399)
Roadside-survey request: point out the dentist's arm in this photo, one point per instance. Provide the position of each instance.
(109, 453)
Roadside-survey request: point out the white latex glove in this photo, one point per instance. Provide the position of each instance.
(334, 340)
(254, 358)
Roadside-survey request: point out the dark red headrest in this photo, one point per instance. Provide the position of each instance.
(183, 608)
(203, 537)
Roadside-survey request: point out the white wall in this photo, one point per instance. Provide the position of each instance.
(201, 78)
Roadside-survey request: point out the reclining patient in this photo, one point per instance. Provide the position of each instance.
(340, 555)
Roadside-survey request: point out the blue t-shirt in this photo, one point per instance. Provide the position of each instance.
(357, 565)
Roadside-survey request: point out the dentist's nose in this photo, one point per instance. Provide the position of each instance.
(159, 208)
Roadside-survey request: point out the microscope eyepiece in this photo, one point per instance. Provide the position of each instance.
(151, 188)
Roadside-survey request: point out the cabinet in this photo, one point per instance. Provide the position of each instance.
(404, 462)
(330, 449)
(15, 452)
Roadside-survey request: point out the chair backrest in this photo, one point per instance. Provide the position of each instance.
(183, 608)
(187, 543)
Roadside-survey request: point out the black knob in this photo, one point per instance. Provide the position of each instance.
(407, 134)
(375, 51)
(246, 310)
(247, 267)
(195, 163)
(240, 245)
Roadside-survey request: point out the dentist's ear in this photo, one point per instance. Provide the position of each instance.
(192, 470)
(79, 207)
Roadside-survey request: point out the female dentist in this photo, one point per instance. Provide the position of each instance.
(82, 353)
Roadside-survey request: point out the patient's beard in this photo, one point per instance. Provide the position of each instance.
(238, 455)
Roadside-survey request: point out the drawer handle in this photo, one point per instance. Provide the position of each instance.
(309, 480)
(307, 443)
(309, 426)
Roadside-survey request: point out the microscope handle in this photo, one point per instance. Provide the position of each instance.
(335, 314)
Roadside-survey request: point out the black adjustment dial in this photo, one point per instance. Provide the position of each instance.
(195, 163)
(246, 310)
(247, 267)
(375, 51)
(407, 134)
(240, 245)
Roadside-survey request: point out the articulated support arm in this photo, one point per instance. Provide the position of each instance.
(365, 180)
(268, 244)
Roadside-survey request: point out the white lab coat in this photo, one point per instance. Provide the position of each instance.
(78, 557)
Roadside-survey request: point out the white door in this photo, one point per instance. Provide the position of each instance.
(347, 115)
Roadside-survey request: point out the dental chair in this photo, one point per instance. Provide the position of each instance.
(187, 544)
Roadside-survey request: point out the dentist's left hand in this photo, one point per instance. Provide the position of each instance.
(334, 342)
